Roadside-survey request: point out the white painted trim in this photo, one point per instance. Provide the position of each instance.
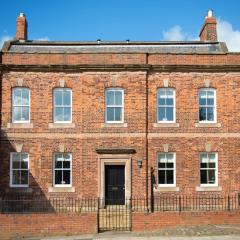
(11, 177)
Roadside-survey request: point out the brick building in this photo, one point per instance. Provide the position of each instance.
(119, 120)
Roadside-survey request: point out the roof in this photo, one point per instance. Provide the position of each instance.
(115, 47)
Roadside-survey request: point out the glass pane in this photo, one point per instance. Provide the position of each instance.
(210, 101)
(211, 165)
(204, 165)
(66, 164)
(118, 97)
(16, 164)
(210, 94)
(161, 114)
(170, 157)
(211, 157)
(203, 176)
(58, 164)
(169, 101)
(211, 176)
(169, 165)
(58, 114)
(161, 177)
(58, 157)
(202, 114)
(210, 114)
(170, 176)
(15, 177)
(17, 100)
(58, 177)
(16, 157)
(169, 113)
(67, 114)
(169, 92)
(161, 157)
(67, 98)
(24, 165)
(58, 97)
(25, 114)
(24, 177)
(16, 114)
(118, 114)
(25, 96)
(110, 97)
(110, 114)
(204, 157)
(161, 165)
(66, 177)
(67, 157)
(202, 98)
(161, 98)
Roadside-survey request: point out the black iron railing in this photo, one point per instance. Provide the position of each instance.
(171, 203)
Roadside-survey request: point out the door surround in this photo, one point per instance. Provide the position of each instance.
(114, 159)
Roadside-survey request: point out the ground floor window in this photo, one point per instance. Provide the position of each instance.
(62, 169)
(19, 170)
(166, 169)
(208, 168)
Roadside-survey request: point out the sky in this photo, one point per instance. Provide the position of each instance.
(118, 20)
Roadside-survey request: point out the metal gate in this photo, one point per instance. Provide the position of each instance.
(114, 217)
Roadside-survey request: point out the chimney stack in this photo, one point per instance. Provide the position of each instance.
(209, 30)
(21, 31)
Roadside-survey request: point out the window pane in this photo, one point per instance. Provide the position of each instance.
(161, 164)
(169, 113)
(211, 165)
(16, 164)
(210, 94)
(118, 97)
(203, 165)
(58, 177)
(24, 177)
(169, 101)
(169, 176)
(161, 177)
(67, 114)
(161, 98)
(16, 177)
(202, 98)
(24, 165)
(210, 114)
(25, 96)
(67, 97)
(210, 101)
(170, 157)
(66, 177)
(16, 157)
(203, 176)
(67, 156)
(17, 96)
(169, 92)
(110, 114)
(58, 97)
(58, 114)
(211, 157)
(66, 164)
(58, 157)
(110, 97)
(161, 114)
(204, 157)
(16, 113)
(202, 114)
(118, 114)
(211, 176)
(58, 164)
(25, 113)
(170, 165)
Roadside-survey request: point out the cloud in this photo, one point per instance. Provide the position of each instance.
(3, 39)
(174, 34)
(42, 39)
(227, 34)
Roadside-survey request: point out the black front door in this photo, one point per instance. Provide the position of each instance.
(114, 184)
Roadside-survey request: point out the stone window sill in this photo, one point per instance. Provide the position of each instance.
(61, 189)
(208, 189)
(114, 125)
(20, 125)
(166, 189)
(208, 125)
(61, 125)
(166, 125)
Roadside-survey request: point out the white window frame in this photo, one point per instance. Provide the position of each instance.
(216, 170)
(11, 171)
(214, 106)
(54, 106)
(174, 105)
(174, 169)
(122, 106)
(21, 121)
(62, 185)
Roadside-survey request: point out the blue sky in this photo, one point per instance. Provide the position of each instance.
(153, 20)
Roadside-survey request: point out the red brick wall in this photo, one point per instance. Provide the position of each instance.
(153, 221)
(30, 225)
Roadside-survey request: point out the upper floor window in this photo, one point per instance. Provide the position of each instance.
(19, 169)
(62, 105)
(20, 105)
(114, 106)
(207, 105)
(208, 169)
(62, 169)
(166, 105)
(166, 166)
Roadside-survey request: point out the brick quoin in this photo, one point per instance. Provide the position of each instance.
(140, 69)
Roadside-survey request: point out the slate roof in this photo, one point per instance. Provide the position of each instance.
(117, 47)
